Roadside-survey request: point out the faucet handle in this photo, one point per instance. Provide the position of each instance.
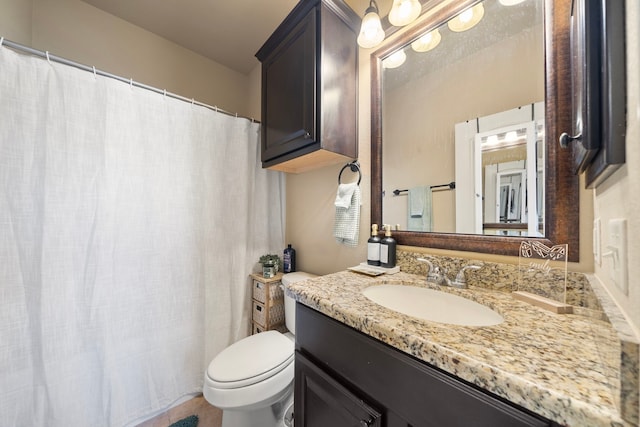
(461, 279)
(433, 273)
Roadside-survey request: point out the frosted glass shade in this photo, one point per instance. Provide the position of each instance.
(404, 12)
(395, 59)
(371, 32)
(427, 42)
(466, 19)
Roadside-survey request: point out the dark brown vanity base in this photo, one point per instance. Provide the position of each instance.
(356, 380)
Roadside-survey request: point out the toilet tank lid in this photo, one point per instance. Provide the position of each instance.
(296, 277)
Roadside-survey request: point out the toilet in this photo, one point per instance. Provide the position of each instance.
(252, 379)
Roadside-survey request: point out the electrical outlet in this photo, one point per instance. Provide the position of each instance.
(597, 249)
(618, 249)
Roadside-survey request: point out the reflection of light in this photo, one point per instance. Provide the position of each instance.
(395, 60)
(510, 2)
(511, 136)
(371, 32)
(404, 12)
(427, 42)
(467, 19)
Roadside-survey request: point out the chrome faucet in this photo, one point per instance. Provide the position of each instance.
(438, 275)
(461, 280)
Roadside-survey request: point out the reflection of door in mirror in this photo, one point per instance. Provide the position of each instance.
(496, 153)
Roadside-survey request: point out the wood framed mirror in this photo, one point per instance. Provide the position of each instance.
(561, 185)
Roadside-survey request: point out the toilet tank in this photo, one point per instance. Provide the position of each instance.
(290, 303)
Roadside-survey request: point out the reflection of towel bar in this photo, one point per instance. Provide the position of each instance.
(451, 185)
(355, 167)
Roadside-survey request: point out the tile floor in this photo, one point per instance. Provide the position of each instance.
(208, 416)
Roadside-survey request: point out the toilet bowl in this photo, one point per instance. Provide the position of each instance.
(252, 380)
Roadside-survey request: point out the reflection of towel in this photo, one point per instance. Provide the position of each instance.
(420, 216)
(347, 222)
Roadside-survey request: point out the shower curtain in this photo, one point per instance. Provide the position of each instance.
(129, 222)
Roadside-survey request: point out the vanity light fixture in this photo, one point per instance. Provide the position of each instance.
(510, 2)
(404, 12)
(395, 60)
(466, 19)
(371, 32)
(427, 41)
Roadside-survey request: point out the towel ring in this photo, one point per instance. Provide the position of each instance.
(355, 167)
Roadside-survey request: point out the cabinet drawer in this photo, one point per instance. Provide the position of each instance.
(256, 328)
(268, 315)
(267, 291)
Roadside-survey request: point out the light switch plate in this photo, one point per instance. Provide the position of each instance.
(618, 246)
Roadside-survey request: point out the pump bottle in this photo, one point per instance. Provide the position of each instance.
(373, 246)
(387, 248)
(289, 260)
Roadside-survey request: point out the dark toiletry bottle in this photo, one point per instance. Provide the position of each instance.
(373, 246)
(387, 249)
(289, 259)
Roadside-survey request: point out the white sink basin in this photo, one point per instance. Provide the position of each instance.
(432, 305)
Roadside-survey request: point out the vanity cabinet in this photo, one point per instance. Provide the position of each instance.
(309, 88)
(341, 370)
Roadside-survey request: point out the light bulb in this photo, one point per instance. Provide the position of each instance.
(395, 60)
(371, 32)
(511, 136)
(404, 12)
(427, 42)
(492, 140)
(467, 19)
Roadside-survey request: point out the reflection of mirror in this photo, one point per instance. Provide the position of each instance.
(419, 164)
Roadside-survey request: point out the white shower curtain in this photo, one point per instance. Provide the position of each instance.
(129, 222)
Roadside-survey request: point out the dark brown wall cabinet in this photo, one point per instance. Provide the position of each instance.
(309, 88)
(345, 378)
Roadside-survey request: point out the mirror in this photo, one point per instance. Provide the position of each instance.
(416, 149)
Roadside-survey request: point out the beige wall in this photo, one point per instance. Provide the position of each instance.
(619, 196)
(15, 20)
(80, 32)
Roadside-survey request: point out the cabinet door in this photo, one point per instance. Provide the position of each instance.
(321, 401)
(289, 96)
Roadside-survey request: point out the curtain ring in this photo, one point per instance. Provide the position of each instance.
(355, 167)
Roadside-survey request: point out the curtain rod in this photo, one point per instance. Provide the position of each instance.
(49, 57)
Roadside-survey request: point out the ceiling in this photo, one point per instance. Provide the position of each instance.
(229, 32)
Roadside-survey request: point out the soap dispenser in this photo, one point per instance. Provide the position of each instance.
(373, 246)
(387, 249)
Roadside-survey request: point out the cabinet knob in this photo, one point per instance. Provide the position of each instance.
(307, 135)
(366, 423)
(565, 139)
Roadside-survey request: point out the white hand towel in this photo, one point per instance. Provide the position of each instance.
(345, 194)
(347, 222)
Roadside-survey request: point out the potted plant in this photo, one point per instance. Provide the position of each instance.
(271, 264)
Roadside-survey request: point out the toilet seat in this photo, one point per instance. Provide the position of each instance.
(254, 372)
(251, 360)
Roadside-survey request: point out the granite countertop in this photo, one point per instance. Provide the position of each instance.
(551, 364)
